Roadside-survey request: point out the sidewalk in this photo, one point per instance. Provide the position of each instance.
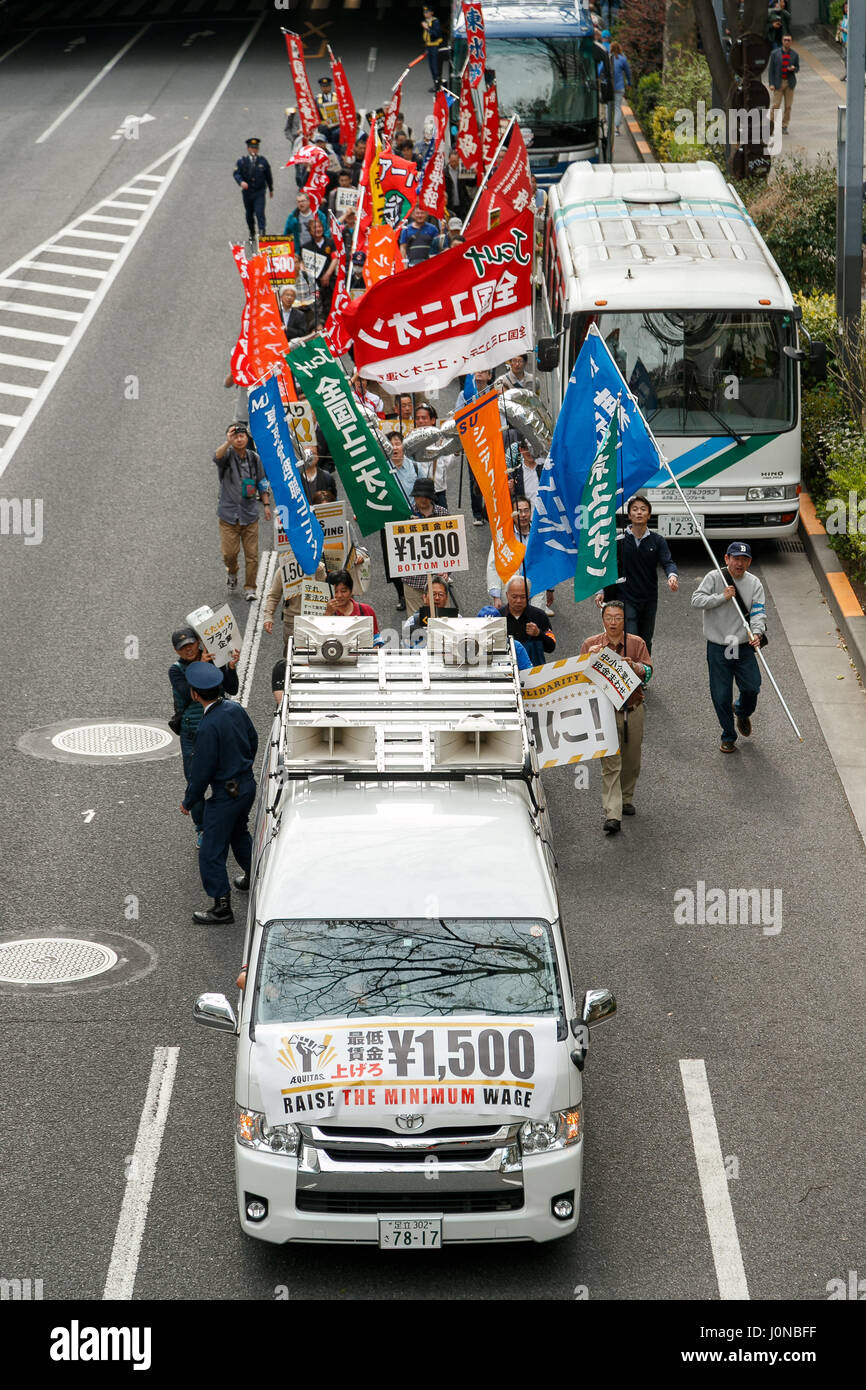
(818, 93)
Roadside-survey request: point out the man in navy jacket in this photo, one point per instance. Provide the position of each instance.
(639, 553)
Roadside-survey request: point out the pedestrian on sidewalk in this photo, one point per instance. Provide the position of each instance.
(621, 80)
(782, 72)
(242, 481)
(842, 38)
(730, 652)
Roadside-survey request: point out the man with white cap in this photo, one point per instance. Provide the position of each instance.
(725, 599)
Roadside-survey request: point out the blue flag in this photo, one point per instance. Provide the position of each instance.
(590, 401)
(274, 447)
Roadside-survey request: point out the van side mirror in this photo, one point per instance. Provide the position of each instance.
(215, 1011)
(547, 354)
(598, 1004)
(817, 368)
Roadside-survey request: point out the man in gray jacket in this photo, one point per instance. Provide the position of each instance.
(730, 653)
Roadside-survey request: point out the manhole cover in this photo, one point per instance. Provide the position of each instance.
(53, 960)
(111, 740)
(101, 742)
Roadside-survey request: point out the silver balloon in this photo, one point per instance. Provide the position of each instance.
(525, 413)
(426, 444)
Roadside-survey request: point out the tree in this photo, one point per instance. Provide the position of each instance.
(680, 28)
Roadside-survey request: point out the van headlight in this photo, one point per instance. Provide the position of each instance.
(254, 1133)
(559, 1131)
(764, 494)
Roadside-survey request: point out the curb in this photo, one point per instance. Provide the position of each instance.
(641, 143)
(834, 583)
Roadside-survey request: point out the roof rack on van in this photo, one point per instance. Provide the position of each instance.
(450, 709)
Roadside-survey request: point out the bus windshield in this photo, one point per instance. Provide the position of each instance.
(706, 371)
(550, 82)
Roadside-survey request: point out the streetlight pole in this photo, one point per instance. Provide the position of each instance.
(849, 217)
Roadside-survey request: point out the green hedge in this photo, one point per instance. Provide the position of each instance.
(845, 465)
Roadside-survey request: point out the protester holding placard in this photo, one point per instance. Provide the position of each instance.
(423, 504)
(187, 713)
(620, 771)
(287, 585)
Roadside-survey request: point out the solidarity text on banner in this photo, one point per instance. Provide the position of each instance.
(572, 721)
(481, 436)
(271, 436)
(308, 1069)
(372, 490)
(471, 308)
(594, 386)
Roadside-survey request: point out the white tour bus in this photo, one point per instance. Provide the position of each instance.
(666, 261)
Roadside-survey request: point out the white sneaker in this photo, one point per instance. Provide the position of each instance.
(548, 610)
(476, 521)
(231, 580)
(250, 595)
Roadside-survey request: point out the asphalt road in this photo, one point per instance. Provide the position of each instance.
(130, 546)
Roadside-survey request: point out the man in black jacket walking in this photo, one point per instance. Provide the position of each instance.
(639, 553)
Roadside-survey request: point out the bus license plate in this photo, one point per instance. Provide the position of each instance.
(411, 1233)
(679, 527)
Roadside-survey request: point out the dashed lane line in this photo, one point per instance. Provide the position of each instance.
(724, 1241)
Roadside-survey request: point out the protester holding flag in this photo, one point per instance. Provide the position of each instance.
(640, 552)
(620, 771)
(726, 597)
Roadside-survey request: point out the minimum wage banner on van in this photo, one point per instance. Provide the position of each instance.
(572, 719)
(355, 1070)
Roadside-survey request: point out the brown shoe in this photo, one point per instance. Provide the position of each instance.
(744, 724)
(728, 747)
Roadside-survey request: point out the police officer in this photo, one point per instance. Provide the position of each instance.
(187, 712)
(253, 175)
(225, 748)
(329, 112)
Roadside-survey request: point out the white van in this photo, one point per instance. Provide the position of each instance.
(409, 1045)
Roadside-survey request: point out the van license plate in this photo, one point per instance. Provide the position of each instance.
(679, 526)
(411, 1233)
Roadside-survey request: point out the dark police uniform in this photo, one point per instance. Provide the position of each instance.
(225, 749)
(191, 712)
(254, 170)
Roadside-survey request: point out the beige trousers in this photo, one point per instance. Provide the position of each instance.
(232, 537)
(619, 773)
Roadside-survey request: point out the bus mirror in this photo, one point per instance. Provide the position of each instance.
(817, 368)
(547, 354)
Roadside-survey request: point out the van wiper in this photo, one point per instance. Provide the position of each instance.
(689, 383)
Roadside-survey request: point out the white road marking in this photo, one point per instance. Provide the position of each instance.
(92, 236)
(254, 629)
(61, 268)
(90, 86)
(10, 359)
(9, 420)
(10, 51)
(371, 60)
(177, 154)
(727, 1256)
(39, 311)
(123, 1268)
(8, 389)
(30, 336)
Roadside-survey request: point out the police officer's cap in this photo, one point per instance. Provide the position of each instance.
(254, 140)
(324, 81)
(183, 637)
(204, 675)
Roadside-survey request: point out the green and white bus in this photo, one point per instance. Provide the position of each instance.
(666, 261)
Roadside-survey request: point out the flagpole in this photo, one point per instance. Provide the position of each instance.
(490, 168)
(716, 566)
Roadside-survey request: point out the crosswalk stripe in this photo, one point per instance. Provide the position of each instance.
(91, 236)
(41, 288)
(82, 251)
(145, 192)
(38, 364)
(29, 335)
(116, 203)
(116, 221)
(8, 389)
(38, 310)
(59, 268)
(151, 178)
(11, 420)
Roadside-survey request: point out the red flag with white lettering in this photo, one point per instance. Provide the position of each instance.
(468, 138)
(466, 308)
(508, 189)
(381, 255)
(398, 179)
(345, 104)
(392, 111)
(308, 111)
(431, 194)
(490, 129)
(317, 180)
(240, 363)
(476, 42)
(267, 345)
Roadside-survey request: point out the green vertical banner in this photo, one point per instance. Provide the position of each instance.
(596, 553)
(372, 490)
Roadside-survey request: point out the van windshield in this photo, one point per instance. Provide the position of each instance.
(409, 967)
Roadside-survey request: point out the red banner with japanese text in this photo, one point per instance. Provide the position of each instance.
(431, 194)
(398, 180)
(476, 43)
(267, 345)
(490, 123)
(308, 111)
(345, 104)
(508, 190)
(392, 111)
(316, 186)
(469, 307)
(481, 436)
(240, 362)
(468, 139)
(381, 255)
